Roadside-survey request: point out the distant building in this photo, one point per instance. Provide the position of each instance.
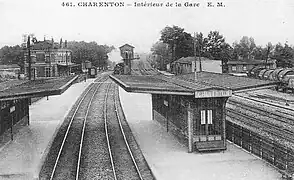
(49, 59)
(186, 65)
(127, 53)
(242, 67)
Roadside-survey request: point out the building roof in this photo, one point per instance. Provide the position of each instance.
(127, 45)
(40, 45)
(254, 62)
(235, 83)
(189, 60)
(215, 84)
(36, 88)
(149, 84)
(161, 84)
(10, 66)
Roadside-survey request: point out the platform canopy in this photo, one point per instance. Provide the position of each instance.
(160, 84)
(35, 88)
(235, 83)
(207, 84)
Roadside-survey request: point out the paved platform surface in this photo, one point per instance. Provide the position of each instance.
(22, 158)
(169, 159)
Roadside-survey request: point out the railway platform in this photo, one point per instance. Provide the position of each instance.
(22, 158)
(168, 158)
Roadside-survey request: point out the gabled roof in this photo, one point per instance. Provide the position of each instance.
(127, 45)
(40, 45)
(254, 62)
(188, 60)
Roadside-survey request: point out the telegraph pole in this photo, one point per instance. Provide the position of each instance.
(195, 68)
(200, 64)
(200, 49)
(29, 57)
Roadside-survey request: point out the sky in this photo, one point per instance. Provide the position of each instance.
(264, 20)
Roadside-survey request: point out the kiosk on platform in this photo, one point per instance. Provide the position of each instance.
(193, 110)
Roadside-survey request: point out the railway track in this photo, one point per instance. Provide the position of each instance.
(92, 143)
(67, 164)
(274, 124)
(123, 163)
(285, 110)
(263, 126)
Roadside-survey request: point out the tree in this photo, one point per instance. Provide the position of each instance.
(11, 55)
(179, 42)
(283, 55)
(161, 55)
(216, 46)
(83, 51)
(201, 45)
(245, 48)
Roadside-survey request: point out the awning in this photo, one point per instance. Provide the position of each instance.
(207, 84)
(160, 84)
(38, 88)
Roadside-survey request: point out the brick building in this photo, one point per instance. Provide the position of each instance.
(49, 59)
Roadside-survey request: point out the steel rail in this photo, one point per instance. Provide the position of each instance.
(263, 112)
(265, 126)
(106, 132)
(83, 130)
(271, 104)
(125, 139)
(66, 134)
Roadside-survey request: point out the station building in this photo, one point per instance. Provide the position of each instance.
(49, 59)
(192, 109)
(15, 98)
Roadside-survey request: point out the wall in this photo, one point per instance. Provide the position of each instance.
(20, 116)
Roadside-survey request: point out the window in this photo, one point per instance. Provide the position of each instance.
(245, 68)
(206, 122)
(203, 117)
(33, 72)
(209, 116)
(47, 59)
(47, 71)
(234, 68)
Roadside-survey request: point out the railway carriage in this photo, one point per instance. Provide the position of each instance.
(92, 72)
(283, 75)
(268, 74)
(261, 73)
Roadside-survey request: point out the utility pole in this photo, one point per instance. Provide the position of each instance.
(195, 68)
(29, 57)
(267, 55)
(200, 64)
(66, 62)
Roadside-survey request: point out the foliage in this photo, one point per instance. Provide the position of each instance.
(215, 47)
(11, 55)
(245, 48)
(283, 55)
(160, 54)
(84, 51)
(180, 43)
